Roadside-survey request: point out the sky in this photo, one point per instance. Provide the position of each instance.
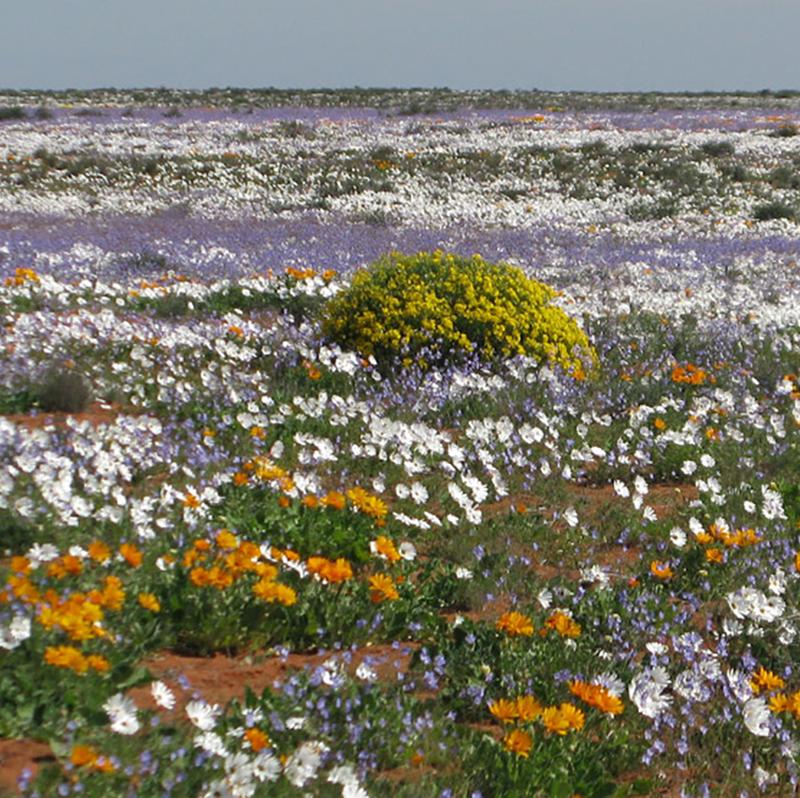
(590, 45)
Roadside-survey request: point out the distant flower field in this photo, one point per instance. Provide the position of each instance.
(558, 558)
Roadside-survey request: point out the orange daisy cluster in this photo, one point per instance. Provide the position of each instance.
(149, 602)
(22, 276)
(597, 696)
(84, 756)
(764, 681)
(524, 709)
(131, 555)
(331, 572)
(222, 563)
(382, 588)
(368, 504)
(691, 375)
(267, 471)
(780, 702)
(563, 719)
(518, 742)
(99, 552)
(226, 560)
(385, 548)
(258, 739)
(275, 592)
(741, 538)
(515, 624)
(80, 615)
(61, 567)
(70, 658)
(563, 624)
(300, 274)
(661, 570)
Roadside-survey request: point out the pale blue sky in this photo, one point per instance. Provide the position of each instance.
(610, 45)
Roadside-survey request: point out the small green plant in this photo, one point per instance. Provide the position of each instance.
(63, 390)
(10, 112)
(785, 131)
(435, 307)
(718, 149)
(774, 210)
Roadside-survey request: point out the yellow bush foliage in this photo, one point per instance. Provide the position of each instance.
(433, 308)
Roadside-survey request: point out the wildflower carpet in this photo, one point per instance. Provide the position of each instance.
(245, 556)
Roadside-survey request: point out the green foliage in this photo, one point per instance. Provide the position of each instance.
(718, 149)
(433, 308)
(774, 210)
(63, 390)
(11, 112)
(785, 131)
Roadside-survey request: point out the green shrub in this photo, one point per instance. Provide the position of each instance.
(785, 131)
(774, 210)
(436, 308)
(718, 149)
(11, 112)
(63, 390)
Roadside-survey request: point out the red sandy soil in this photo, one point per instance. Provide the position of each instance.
(219, 679)
(15, 756)
(96, 413)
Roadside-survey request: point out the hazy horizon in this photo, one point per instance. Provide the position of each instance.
(571, 45)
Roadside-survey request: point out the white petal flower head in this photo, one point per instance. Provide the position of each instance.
(571, 517)
(739, 683)
(303, 764)
(756, 717)
(122, 713)
(365, 673)
(211, 743)
(18, 631)
(202, 714)
(343, 774)
(162, 695)
(419, 493)
(594, 573)
(640, 485)
(742, 601)
(354, 791)
(545, 598)
(621, 489)
(266, 767)
(764, 778)
(217, 789)
(647, 691)
(777, 582)
(407, 551)
(611, 682)
(41, 552)
(677, 536)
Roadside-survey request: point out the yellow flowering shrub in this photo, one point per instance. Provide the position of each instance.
(436, 308)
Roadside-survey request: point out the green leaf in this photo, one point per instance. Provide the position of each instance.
(560, 789)
(138, 675)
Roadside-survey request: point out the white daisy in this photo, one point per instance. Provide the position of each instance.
(162, 695)
(202, 714)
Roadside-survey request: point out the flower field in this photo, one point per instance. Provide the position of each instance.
(239, 559)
